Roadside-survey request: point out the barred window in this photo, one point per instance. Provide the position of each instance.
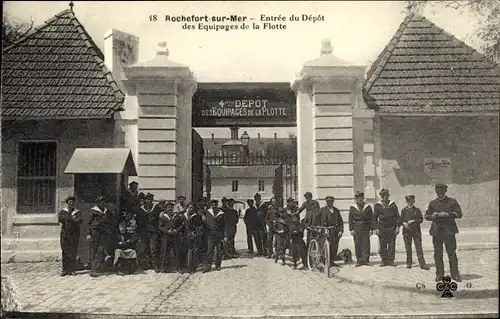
(262, 186)
(36, 177)
(234, 186)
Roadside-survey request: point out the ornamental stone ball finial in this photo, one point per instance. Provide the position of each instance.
(162, 48)
(326, 47)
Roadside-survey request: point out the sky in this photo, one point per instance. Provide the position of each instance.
(358, 31)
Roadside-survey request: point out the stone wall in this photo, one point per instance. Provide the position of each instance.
(69, 135)
(471, 143)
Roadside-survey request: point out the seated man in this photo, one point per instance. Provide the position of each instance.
(125, 261)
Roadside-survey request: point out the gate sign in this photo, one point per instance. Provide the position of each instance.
(438, 169)
(245, 108)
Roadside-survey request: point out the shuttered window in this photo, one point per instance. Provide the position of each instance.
(36, 177)
(262, 186)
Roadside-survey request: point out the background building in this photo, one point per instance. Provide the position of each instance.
(238, 171)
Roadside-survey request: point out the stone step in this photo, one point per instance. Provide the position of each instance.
(10, 256)
(30, 244)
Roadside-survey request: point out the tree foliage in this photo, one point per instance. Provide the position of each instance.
(487, 12)
(13, 30)
(280, 150)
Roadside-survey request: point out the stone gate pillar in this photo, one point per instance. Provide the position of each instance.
(164, 91)
(327, 91)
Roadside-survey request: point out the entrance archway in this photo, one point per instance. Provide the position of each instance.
(242, 105)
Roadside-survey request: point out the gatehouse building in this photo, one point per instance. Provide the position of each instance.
(74, 117)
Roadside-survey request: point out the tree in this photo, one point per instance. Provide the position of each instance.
(281, 151)
(487, 12)
(13, 30)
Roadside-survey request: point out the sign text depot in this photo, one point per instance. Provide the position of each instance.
(244, 108)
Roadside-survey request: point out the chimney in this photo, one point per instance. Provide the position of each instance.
(234, 133)
(120, 49)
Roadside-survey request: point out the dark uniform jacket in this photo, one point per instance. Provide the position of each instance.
(232, 217)
(281, 226)
(293, 220)
(308, 206)
(414, 214)
(169, 222)
(360, 219)
(262, 212)
(312, 218)
(130, 202)
(443, 225)
(329, 218)
(386, 217)
(147, 218)
(70, 225)
(103, 226)
(126, 241)
(273, 213)
(219, 227)
(251, 218)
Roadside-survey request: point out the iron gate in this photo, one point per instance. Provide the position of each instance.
(285, 183)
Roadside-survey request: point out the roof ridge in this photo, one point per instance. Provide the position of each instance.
(375, 70)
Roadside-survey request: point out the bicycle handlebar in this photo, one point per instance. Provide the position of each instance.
(321, 227)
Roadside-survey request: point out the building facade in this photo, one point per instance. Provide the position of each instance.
(426, 112)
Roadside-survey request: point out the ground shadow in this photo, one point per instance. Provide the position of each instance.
(233, 266)
(470, 276)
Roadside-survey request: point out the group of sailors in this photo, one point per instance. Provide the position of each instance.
(181, 236)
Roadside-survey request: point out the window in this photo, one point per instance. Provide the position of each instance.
(235, 186)
(262, 186)
(36, 177)
(234, 157)
(295, 182)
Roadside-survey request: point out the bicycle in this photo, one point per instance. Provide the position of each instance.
(318, 252)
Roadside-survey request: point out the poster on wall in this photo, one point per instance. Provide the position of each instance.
(438, 169)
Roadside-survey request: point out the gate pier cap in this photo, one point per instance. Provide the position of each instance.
(163, 90)
(327, 89)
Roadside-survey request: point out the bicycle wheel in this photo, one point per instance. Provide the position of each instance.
(326, 253)
(312, 254)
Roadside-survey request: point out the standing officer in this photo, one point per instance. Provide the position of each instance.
(312, 219)
(360, 226)
(308, 206)
(412, 217)
(296, 228)
(330, 217)
(261, 226)
(443, 211)
(271, 218)
(147, 229)
(130, 199)
(386, 223)
(216, 238)
(252, 227)
(232, 219)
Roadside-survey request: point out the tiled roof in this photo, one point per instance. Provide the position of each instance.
(425, 69)
(57, 71)
(264, 171)
(254, 145)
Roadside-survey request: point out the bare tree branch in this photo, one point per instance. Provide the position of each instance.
(13, 30)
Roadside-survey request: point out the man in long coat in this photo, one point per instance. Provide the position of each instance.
(386, 223)
(443, 211)
(330, 217)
